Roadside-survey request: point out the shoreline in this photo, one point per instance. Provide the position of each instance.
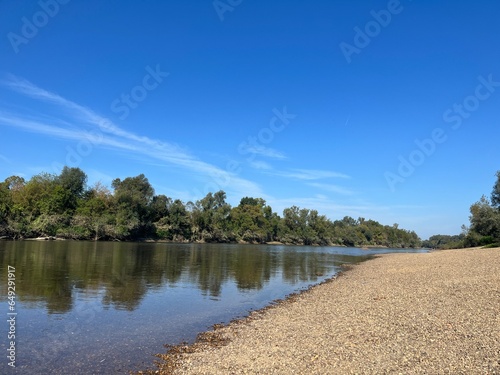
(216, 338)
(410, 313)
(150, 240)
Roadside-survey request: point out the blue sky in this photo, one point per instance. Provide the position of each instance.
(387, 110)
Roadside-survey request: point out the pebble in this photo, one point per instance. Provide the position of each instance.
(423, 313)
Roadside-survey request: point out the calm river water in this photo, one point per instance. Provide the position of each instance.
(108, 307)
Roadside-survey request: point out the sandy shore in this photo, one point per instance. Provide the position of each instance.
(434, 313)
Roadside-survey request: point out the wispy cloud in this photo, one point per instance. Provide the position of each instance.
(259, 164)
(328, 207)
(265, 151)
(80, 119)
(98, 176)
(385, 214)
(331, 188)
(5, 159)
(80, 114)
(310, 174)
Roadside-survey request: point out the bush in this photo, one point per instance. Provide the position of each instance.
(486, 240)
(492, 245)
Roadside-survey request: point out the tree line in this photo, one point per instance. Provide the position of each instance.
(62, 206)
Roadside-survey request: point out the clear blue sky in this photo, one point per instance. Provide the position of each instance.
(317, 104)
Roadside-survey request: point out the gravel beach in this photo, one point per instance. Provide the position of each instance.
(424, 313)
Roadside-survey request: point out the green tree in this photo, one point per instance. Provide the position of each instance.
(250, 220)
(249, 201)
(11, 218)
(299, 225)
(159, 207)
(176, 223)
(61, 205)
(5, 202)
(41, 206)
(133, 196)
(485, 219)
(95, 214)
(73, 180)
(210, 217)
(495, 194)
(442, 241)
(179, 221)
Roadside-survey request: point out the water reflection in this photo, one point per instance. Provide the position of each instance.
(51, 272)
(107, 307)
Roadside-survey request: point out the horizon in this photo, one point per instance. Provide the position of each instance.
(383, 110)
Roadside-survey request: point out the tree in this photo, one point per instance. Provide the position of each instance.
(179, 222)
(211, 217)
(485, 219)
(42, 195)
(249, 220)
(135, 190)
(299, 225)
(133, 196)
(10, 212)
(160, 207)
(495, 195)
(248, 201)
(5, 202)
(14, 183)
(440, 241)
(94, 215)
(73, 180)
(62, 205)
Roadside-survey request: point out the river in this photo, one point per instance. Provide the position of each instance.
(107, 307)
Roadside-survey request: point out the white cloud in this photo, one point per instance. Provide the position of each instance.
(5, 159)
(331, 188)
(265, 151)
(310, 174)
(259, 164)
(326, 206)
(107, 134)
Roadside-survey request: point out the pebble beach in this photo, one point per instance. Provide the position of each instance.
(420, 313)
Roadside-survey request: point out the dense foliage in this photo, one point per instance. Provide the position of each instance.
(443, 241)
(62, 206)
(485, 220)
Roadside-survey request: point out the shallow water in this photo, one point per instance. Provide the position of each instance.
(108, 307)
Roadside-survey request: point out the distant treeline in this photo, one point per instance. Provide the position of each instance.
(63, 206)
(444, 241)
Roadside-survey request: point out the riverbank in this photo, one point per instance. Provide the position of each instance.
(399, 313)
